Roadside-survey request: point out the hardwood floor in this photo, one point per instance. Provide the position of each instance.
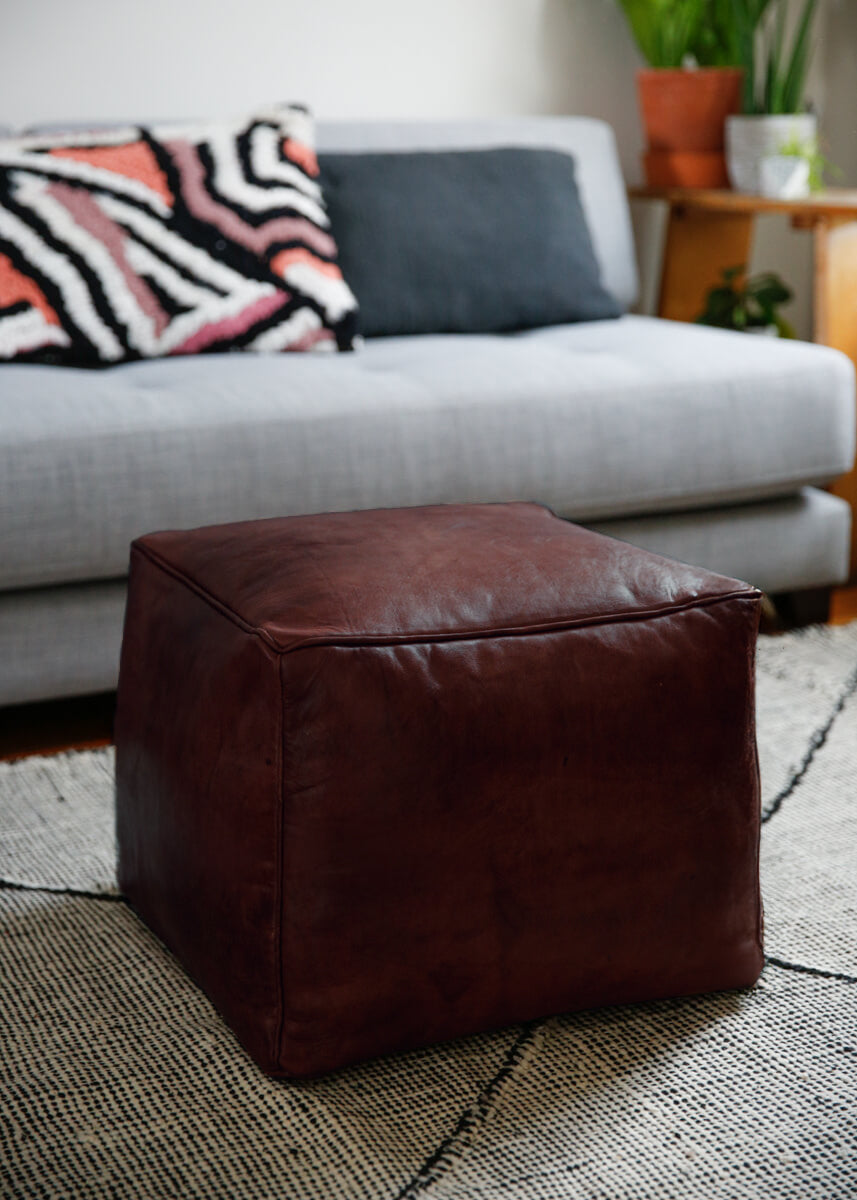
(843, 606)
(80, 723)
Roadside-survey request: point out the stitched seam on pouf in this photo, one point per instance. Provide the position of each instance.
(560, 625)
(224, 609)
(276, 1050)
(405, 639)
(760, 910)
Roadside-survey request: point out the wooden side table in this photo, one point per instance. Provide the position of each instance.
(710, 230)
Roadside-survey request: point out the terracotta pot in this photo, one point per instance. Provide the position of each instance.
(686, 168)
(687, 110)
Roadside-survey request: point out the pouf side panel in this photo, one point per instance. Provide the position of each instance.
(198, 796)
(482, 832)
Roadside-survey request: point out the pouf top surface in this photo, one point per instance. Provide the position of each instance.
(433, 572)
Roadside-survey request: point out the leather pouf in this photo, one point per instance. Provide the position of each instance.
(386, 778)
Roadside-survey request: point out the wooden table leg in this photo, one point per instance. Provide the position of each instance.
(699, 247)
(836, 322)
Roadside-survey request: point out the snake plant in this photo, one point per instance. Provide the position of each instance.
(775, 80)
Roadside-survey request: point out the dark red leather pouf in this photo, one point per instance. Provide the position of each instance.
(385, 778)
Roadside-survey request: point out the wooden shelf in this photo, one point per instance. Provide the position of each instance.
(826, 205)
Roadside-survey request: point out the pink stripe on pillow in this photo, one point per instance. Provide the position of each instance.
(231, 327)
(258, 239)
(83, 208)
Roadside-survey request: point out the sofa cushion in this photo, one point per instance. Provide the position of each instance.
(592, 143)
(136, 243)
(599, 419)
(479, 241)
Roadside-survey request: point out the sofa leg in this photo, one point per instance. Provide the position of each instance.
(792, 610)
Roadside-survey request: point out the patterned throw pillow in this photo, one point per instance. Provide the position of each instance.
(137, 243)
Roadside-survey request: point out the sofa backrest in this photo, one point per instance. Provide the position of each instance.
(590, 141)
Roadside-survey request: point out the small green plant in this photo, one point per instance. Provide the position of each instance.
(741, 303)
(810, 150)
(775, 72)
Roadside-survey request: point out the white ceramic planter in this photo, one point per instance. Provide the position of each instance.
(749, 140)
(784, 177)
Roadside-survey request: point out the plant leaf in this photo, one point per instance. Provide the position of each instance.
(776, 78)
(794, 82)
(666, 31)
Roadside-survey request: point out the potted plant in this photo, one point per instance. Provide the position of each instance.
(690, 86)
(774, 100)
(748, 305)
(796, 170)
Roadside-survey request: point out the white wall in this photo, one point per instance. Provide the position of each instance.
(836, 76)
(116, 59)
(164, 58)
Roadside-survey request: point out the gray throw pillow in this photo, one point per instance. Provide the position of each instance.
(474, 241)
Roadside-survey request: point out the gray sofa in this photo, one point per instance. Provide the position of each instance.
(706, 446)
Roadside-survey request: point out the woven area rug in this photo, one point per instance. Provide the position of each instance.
(118, 1079)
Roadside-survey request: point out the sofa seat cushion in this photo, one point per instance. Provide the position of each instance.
(597, 420)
